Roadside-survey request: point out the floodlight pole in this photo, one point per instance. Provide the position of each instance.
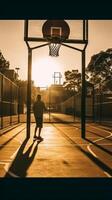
(29, 91)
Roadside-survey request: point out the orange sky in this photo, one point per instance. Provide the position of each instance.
(14, 50)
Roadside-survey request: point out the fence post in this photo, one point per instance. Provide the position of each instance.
(74, 107)
(93, 104)
(1, 101)
(49, 102)
(11, 103)
(18, 103)
(83, 96)
(29, 91)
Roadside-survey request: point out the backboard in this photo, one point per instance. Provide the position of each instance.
(56, 31)
(78, 30)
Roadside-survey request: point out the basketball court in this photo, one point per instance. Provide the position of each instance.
(62, 153)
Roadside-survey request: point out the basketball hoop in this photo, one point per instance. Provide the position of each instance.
(56, 32)
(54, 49)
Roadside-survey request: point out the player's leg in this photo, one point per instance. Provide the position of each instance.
(40, 125)
(40, 128)
(36, 127)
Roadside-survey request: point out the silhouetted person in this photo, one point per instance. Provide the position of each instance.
(38, 108)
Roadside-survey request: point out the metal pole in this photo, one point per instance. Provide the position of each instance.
(49, 104)
(2, 104)
(11, 103)
(18, 89)
(100, 104)
(29, 91)
(74, 113)
(93, 104)
(83, 29)
(83, 97)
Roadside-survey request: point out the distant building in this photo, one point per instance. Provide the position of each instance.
(53, 96)
(57, 93)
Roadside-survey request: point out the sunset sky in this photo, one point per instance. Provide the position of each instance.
(14, 49)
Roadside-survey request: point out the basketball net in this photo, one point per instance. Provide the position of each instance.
(54, 49)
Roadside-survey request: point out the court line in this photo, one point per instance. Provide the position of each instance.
(4, 162)
(100, 128)
(7, 165)
(89, 149)
(100, 139)
(107, 174)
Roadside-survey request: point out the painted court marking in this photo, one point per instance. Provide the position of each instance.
(7, 163)
(100, 139)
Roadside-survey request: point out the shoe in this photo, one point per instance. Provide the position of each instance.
(35, 138)
(39, 138)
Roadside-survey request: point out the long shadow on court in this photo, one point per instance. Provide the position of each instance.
(23, 160)
(99, 146)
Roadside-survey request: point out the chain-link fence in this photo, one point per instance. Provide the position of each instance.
(13, 104)
(103, 107)
(9, 102)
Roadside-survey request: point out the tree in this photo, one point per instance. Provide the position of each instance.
(4, 64)
(99, 68)
(72, 81)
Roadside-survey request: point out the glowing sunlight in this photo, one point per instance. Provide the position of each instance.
(43, 71)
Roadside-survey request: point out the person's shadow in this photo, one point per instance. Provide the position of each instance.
(22, 160)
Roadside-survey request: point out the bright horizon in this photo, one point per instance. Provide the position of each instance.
(43, 75)
(15, 51)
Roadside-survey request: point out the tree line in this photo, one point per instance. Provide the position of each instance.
(98, 73)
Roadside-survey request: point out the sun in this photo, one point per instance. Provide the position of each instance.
(43, 70)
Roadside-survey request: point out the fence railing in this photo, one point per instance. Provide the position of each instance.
(98, 105)
(9, 102)
(103, 107)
